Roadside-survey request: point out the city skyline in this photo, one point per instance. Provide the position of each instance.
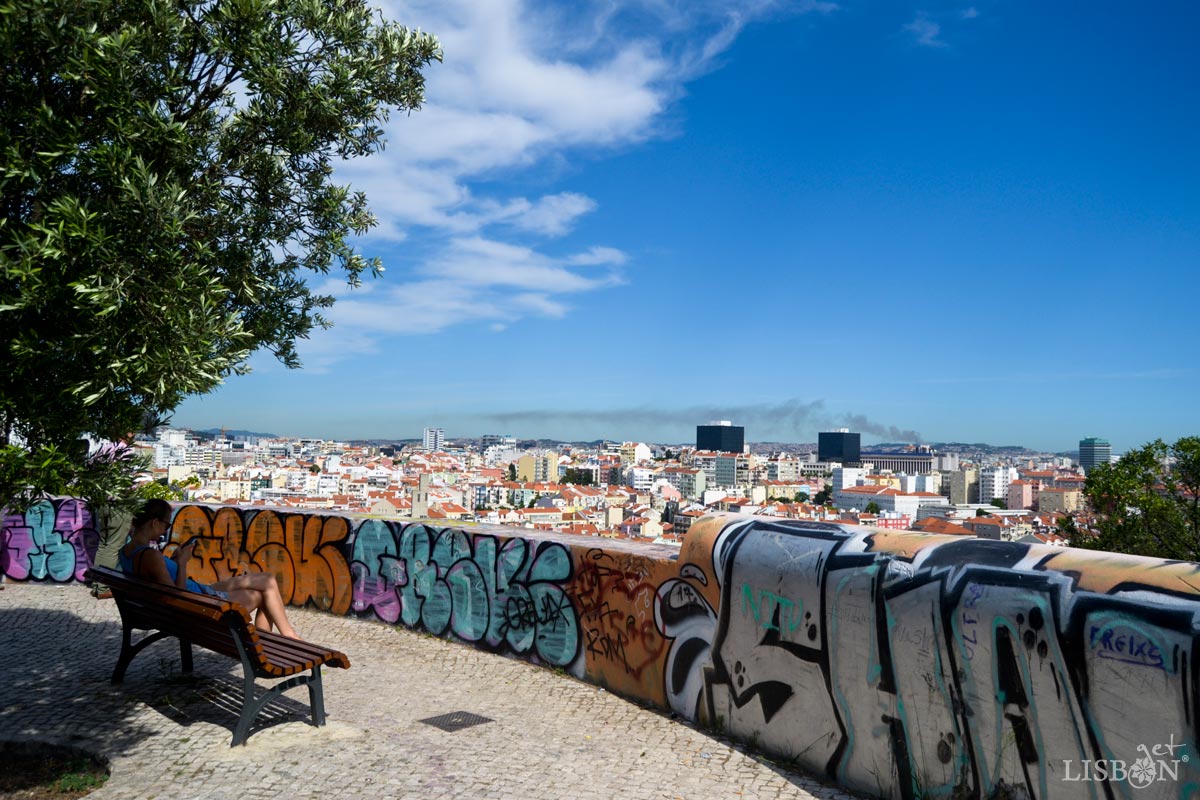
(453, 442)
(951, 222)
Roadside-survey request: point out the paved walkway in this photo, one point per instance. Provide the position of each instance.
(168, 737)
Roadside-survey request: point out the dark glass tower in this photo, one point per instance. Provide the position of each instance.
(722, 438)
(840, 446)
(1093, 451)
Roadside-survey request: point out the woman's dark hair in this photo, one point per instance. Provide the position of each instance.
(153, 509)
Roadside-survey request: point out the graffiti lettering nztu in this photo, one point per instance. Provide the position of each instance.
(774, 612)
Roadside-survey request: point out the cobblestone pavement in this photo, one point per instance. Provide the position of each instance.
(168, 737)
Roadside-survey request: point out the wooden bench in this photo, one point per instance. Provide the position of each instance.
(221, 626)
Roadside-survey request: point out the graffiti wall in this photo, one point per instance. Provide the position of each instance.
(896, 664)
(906, 665)
(55, 540)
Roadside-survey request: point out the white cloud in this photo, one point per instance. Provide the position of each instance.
(470, 280)
(970, 13)
(484, 262)
(540, 304)
(554, 214)
(925, 31)
(598, 255)
(324, 348)
(522, 83)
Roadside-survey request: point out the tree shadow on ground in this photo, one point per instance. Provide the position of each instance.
(55, 685)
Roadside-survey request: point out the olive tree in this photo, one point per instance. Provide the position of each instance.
(1147, 503)
(166, 186)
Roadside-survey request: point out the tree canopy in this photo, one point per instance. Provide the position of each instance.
(1147, 503)
(578, 477)
(166, 188)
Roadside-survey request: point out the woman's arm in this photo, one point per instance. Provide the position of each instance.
(182, 558)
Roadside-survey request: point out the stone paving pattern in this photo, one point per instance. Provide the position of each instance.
(167, 736)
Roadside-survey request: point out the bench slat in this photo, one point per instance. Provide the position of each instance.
(297, 648)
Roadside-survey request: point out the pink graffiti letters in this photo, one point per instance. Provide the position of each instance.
(54, 540)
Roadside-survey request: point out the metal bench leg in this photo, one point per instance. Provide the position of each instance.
(185, 656)
(253, 703)
(316, 697)
(129, 650)
(250, 708)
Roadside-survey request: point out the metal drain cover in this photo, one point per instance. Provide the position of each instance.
(455, 721)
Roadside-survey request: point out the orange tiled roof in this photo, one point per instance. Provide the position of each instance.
(939, 525)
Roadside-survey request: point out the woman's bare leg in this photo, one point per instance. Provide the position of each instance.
(252, 600)
(262, 620)
(264, 584)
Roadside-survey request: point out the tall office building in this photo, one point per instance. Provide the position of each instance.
(433, 439)
(1093, 451)
(841, 446)
(722, 436)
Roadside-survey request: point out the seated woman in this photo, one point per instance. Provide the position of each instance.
(257, 591)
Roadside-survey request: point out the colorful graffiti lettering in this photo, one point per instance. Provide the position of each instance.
(303, 551)
(938, 667)
(498, 593)
(53, 540)
(615, 594)
(774, 612)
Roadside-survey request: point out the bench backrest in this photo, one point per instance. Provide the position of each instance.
(206, 620)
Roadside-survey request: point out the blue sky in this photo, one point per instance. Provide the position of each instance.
(927, 222)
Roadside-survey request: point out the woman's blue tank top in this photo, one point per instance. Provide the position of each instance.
(127, 566)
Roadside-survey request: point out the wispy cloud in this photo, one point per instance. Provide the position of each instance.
(925, 31)
(525, 84)
(469, 280)
(970, 12)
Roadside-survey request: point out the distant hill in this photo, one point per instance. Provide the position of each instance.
(981, 447)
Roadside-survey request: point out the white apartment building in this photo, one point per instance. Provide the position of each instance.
(322, 484)
(887, 498)
(277, 449)
(433, 439)
(634, 453)
(640, 477)
(931, 482)
(706, 462)
(201, 457)
(691, 483)
(783, 469)
(994, 481)
(497, 440)
(171, 437)
(167, 456)
(500, 454)
(846, 477)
